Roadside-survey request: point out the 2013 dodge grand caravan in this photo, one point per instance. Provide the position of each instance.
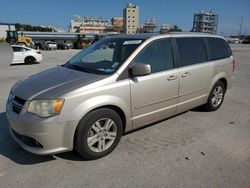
(116, 85)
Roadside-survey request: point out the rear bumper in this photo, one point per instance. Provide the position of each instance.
(39, 58)
(230, 83)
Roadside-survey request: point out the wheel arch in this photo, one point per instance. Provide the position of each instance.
(106, 101)
(115, 108)
(224, 81)
(219, 77)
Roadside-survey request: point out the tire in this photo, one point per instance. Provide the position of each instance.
(29, 60)
(92, 141)
(215, 100)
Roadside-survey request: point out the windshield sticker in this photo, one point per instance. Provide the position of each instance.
(129, 42)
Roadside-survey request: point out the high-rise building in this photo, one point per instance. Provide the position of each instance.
(150, 26)
(205, 22)
(117, 24)
(131, 19)
(117, 21)
(165, 28)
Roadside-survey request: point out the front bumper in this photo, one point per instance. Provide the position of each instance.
(41, 136)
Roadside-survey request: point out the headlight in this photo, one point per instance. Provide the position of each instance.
(46, 108)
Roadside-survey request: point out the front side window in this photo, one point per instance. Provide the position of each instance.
(158, 55)
(191, 51)
(104, 56)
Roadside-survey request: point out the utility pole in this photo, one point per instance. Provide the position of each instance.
(241, 22)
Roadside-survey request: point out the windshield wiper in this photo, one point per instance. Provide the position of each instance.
(77, 67)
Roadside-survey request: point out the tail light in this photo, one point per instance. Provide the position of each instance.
(234, 65)
(38, 52)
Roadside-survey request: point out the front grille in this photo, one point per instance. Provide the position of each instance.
(16, 108)
(17, 104)
(31, 142)
(19, 100)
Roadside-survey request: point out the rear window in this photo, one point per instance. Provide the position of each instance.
(191, 50)
(219, 48)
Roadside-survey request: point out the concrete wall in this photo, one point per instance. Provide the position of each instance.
(4, 28)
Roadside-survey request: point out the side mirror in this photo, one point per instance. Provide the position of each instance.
(140, 69)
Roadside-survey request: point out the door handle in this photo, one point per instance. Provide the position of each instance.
(170, 78)
(185, 74)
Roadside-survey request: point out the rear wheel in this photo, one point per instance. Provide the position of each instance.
(29, 60)
(98, 133)
(216, 97)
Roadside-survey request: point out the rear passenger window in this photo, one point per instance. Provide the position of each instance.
(191, 51)
(17, 49)
(158, 55)
(219, 48)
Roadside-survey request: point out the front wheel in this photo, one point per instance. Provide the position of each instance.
(216, 97)
(98, 133)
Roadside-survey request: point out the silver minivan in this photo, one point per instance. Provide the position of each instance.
(116, 85)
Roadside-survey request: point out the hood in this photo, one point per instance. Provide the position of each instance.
(53, 83)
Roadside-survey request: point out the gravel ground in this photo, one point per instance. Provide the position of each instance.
(194, 149)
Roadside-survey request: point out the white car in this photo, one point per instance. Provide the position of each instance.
(49, 45)
(26, 55)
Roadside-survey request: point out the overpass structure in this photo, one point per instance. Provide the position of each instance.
(55, 36)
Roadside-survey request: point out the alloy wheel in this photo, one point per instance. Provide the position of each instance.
(101, 135)
(217, 96)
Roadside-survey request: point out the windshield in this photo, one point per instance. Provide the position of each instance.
(104, 56)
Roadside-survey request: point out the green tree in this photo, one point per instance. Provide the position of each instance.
(175, 28)
(26, 27)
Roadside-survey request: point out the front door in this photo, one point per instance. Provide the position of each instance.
(154, 96)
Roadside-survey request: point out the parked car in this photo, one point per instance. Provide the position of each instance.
(64, 46)
(39, 45)
(26, 55)
(246, 40)
(49, 45)
(117, 85)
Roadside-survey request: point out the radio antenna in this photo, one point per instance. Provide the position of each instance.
(57, 62)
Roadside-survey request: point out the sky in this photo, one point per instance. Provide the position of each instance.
(174, 12)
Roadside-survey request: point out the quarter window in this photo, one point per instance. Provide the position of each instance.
(158, 55)
(191, 51)
(219, 48)
(25, 49)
